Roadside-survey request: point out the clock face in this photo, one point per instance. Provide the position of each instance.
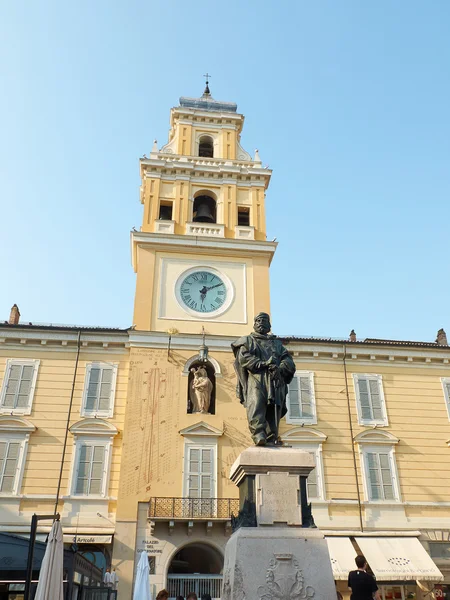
(203, 291)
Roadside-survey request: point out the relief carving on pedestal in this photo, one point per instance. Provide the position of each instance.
(285, 581)
(237, 593)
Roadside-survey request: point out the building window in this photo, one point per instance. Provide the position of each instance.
(301, 403)
(165, 211)
(91, 467)
(314, 483)
(13, 449)
(446, 386)
(206, 147)
(99, 389)
(199, 483)
(243, 216)
(370, 401)
(380, 474)
(310, 440)
(18, 386)
(439, 550)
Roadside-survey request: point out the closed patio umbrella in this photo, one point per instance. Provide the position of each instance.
(142, 584)
(51, 574)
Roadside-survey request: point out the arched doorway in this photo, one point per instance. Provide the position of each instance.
(197, 568)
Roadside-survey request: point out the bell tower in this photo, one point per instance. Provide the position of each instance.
(201, 255)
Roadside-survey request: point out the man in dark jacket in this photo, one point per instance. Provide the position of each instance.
(264, 369)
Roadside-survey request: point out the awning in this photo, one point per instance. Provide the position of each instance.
(342, 556)
(398, 559)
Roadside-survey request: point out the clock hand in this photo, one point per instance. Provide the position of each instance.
(213, 286)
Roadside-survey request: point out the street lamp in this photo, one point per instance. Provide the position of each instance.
(203, 350)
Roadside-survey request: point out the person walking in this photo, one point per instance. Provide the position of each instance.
(362, 584)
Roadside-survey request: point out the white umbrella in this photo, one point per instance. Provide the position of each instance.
(142, 584)
(51, 574)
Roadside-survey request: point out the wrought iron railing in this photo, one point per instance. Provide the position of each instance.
(182, 585)
(193, 508)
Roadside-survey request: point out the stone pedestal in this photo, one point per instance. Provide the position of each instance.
(274, 553)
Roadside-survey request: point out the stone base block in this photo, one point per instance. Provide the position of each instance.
(277, 563)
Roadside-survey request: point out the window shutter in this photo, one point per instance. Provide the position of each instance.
(386, 477)
(375, 398)
(23, 394)
(105, 389)
(97, 469)
(306, 397)
(447, 387)
(90, 470)
(12, 385)
(200, 476)
(9, 458)
(82, 486)
(294, 399)
(380, 477)
(98, 396)
(364, 399)
(311, 482)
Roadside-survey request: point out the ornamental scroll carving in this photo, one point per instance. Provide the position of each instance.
(285, 581)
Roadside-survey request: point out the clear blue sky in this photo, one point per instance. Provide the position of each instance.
(348, 102)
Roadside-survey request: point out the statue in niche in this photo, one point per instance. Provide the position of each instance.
(264, 369)
(201, 390)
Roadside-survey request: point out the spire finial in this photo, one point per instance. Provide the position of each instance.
(207, 77)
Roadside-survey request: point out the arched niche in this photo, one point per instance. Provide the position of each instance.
(193, 398)
(206, 146)
(205, 207)
(193, 359)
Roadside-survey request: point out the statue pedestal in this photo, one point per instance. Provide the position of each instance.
(275, 552)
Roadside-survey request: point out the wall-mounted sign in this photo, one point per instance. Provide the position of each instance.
(71, 538)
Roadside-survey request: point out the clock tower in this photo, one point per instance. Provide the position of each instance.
(201, 255)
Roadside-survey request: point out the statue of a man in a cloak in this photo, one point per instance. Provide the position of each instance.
(264, 369)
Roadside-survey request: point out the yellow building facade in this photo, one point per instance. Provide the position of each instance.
(108, 416)
(374, 413)
(62, 407)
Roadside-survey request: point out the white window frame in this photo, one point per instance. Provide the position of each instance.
(26, 363)
(303, 420)
(200, 444)
(370, 376)
(22, 438)
(365, 449)
(99, 413)
(446, 381)
(315, 449)
(91, 440)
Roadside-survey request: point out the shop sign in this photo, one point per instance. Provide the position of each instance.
(70, 538)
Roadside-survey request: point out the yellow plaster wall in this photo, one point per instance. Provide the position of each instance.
(49, 415)
(422, 459)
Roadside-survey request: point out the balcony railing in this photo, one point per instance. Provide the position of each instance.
(193, 508)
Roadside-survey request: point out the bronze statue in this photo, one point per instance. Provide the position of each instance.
(264, 369)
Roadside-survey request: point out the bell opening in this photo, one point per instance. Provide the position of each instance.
(204, 210)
